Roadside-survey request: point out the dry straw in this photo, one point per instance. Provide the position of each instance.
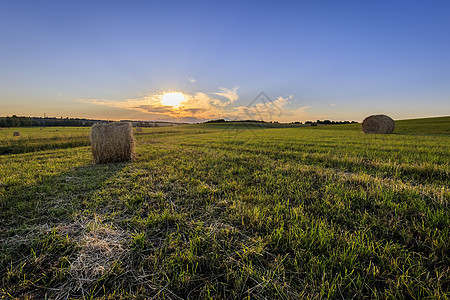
(113, 142)
(139, 129)
(378, 124)
(16, 133)
(100, 246)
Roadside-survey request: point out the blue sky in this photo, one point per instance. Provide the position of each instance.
(339, 60)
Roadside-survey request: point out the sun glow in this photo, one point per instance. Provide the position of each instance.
(172, 99)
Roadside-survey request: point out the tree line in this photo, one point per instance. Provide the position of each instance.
(18, 121)
(327, 122)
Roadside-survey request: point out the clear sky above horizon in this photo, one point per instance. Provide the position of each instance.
(338, 60)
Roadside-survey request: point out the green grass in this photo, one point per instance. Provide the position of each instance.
(233, 212)
(428, 126)
(39, 139)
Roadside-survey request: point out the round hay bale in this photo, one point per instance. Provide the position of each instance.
(139, 129)
(378, 124)
(313, 124)
(16, 133)
(112, 142)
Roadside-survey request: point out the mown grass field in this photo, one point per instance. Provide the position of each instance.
(228, 212)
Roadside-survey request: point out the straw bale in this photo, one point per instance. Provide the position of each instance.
(378, 124)
(112, 142)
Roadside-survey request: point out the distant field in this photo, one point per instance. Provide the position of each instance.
(42, 138)
(427, 126)
(228, 212)
(424, 126)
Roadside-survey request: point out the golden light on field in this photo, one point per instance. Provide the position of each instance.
(172, 99)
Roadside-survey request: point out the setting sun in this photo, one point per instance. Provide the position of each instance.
(172, 99)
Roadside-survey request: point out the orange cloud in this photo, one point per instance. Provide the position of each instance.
(198, 105)
(201, 106)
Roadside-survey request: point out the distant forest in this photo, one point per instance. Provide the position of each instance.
(328, 122)
(15, 121)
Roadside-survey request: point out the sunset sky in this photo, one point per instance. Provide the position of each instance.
(338, 60)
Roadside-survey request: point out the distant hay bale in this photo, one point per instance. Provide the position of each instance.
(313, 124)
(113, 142)
(139, 129)
(16, 133)
(378, 124)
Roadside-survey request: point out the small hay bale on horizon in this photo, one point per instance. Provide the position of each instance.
(380, 124)
(139, 129)
(112, 142)
(16, 133)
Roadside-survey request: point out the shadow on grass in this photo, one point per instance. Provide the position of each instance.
(27, 212)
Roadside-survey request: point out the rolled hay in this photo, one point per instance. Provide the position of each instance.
(16, 133)
(112, 142)
(139, 129)
(313, 124)
(378, 124)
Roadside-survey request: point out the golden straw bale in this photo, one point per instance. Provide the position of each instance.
(112, 142)
(138, 129)
(16, 133)
(378, 124)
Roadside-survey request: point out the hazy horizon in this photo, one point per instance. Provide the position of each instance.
(190, 62)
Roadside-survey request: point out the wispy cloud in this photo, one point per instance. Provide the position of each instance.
(191, 80)
(271, 110)
(231, 95)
